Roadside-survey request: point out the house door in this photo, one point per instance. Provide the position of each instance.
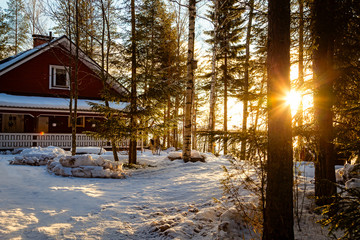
(12, 123)
(43, 124)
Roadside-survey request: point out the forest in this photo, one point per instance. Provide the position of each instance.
(268, 82)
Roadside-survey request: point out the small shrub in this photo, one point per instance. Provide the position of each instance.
(343, 213)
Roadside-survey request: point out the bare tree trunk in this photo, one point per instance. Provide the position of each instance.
(260, 100)
(225, 101)
(323, 11)
(194, 137)
(168, 114)
(246, 79)
(177, 98)
(278, 218)
(301, 73)
(176, 127)
(190, 83)
(132, 146)
(76, 78)
(105, 67)
(211, 147)
(16, 27)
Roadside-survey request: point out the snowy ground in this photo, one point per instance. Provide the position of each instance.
(170, 200)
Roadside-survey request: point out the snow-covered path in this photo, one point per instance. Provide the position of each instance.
(37, 205)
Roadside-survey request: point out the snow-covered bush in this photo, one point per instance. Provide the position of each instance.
(87, 167)
(243, 177)
(231, 225)
(37, 156)
(349, 175)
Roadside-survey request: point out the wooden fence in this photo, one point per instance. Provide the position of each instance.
(21, 140)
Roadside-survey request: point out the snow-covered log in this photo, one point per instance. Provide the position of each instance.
(195, 156)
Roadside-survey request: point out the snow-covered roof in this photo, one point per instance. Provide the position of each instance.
(50, 103)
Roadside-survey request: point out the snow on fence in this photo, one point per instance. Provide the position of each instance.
(20, 140)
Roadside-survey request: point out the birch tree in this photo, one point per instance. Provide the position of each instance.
(190, 83)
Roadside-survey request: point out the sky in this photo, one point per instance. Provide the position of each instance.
(3, 4)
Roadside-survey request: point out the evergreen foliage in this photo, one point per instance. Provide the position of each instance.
(343, 213)
(18, 25)
(4, 37)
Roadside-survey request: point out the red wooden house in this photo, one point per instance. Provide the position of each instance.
(34, 95)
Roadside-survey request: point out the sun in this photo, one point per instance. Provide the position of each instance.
(293, 98)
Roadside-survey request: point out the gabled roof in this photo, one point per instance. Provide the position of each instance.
(12, 62)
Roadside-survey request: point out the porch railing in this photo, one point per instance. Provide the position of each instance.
(21, 140)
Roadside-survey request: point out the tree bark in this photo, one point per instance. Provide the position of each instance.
(190, 83)
(246, 79)
(278, 218)
(132, 145)
(301, 74)
(211, 145)
(323, 11)
(225, 99)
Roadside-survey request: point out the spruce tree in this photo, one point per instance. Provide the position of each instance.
(17, 23)
(4, 37)
(225, 38)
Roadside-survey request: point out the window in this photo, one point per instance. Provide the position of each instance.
(59, 77)
(80, 122)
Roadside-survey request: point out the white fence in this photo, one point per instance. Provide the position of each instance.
(20, 140)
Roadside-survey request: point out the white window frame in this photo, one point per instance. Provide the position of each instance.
(52, 77)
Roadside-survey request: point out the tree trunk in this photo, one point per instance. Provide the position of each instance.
(132, 145)
(278, 218)
(225, 100)
(16, 27)
(246, 79)
(176, 130)
(168, 113)
(323, 11)
(75, 82)
(211, 146)
(190, 83)
(194, 137)
(301, 74)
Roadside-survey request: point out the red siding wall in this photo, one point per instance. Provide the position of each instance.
(32, 77)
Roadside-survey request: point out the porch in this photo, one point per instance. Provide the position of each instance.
(10, 141)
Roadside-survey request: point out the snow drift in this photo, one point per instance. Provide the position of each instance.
(86, 167)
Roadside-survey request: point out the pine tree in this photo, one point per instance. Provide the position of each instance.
(230, 31)
(247, 75)
(278, 219)
(4, 37)
(62, 13)
(323, 73)
(18, 24)
(225, 37)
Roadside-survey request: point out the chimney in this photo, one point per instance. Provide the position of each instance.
(41, 39)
